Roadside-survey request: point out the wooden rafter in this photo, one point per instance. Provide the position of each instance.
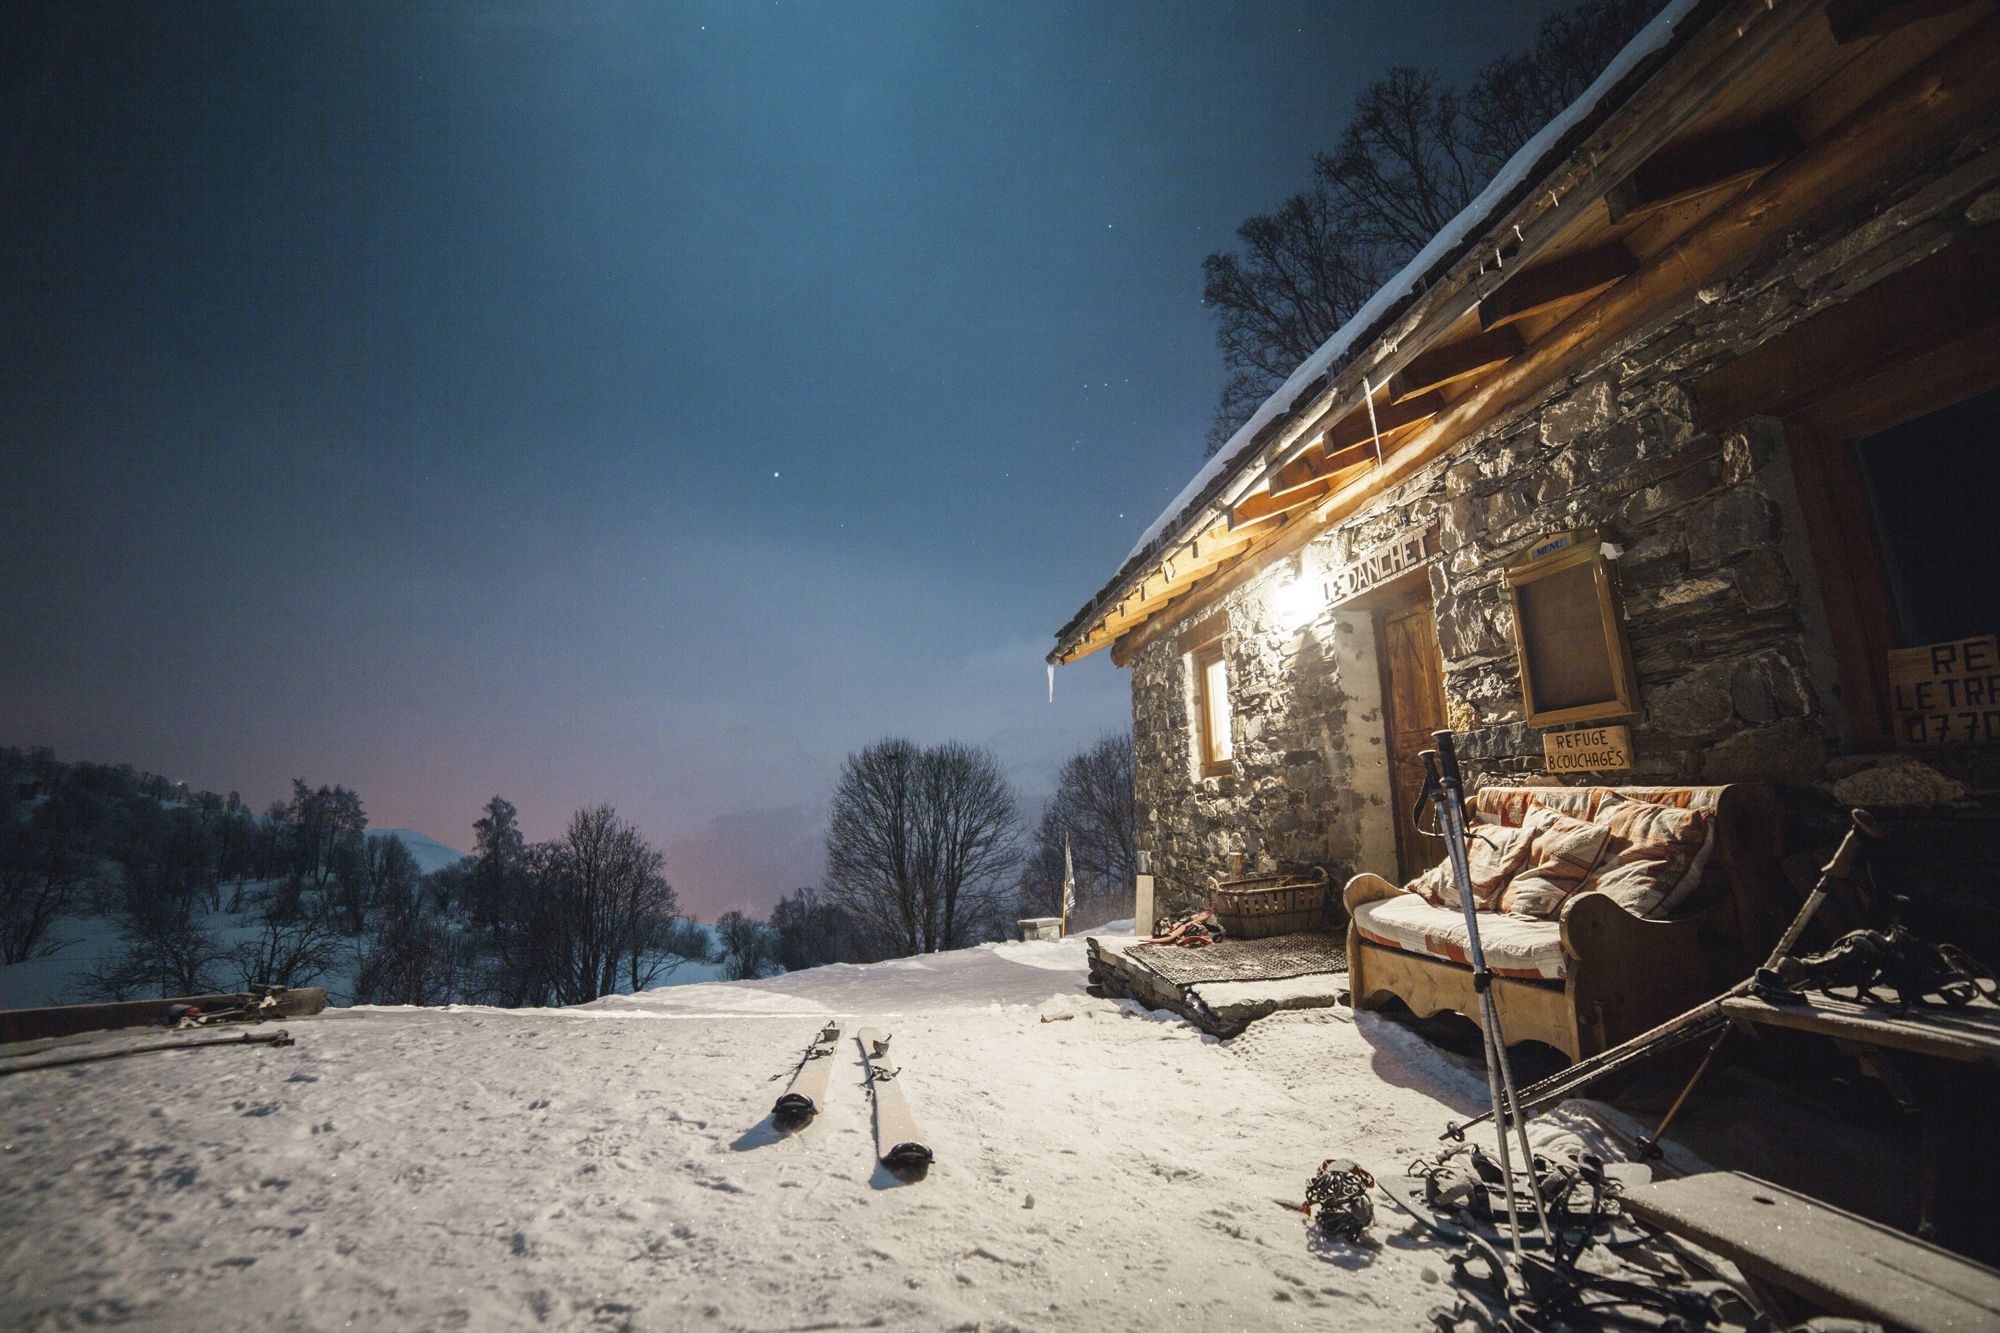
(1697, 165)
(1453, 362)
(1558, 282)
(1355, 428)
(1852, 20)
(1264, 504)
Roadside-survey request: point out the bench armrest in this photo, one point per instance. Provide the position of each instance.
(1366, 888)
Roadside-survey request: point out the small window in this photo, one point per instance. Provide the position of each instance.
(1211, 693)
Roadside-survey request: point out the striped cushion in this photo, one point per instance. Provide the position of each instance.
(1563, 853)
(1654, 854)
(1494, 853)
(1515, 946)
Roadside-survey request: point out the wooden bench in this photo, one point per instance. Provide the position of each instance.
(1831, 1260)
(65, 1020)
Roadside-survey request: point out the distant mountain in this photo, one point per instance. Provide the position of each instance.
(429, 852)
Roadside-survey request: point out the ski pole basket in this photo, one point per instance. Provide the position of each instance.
(1265, 905)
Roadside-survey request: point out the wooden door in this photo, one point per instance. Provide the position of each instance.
(1412, 708)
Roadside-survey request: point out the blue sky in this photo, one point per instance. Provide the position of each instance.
(648, 403)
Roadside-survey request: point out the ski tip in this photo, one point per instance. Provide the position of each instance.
(910, 1161)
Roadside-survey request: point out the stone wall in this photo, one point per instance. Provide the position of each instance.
(1722, 606)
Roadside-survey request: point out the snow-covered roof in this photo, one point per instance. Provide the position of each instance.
(1531, 162)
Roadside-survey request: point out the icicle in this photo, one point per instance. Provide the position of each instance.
(1052, 682)
(1369, 389)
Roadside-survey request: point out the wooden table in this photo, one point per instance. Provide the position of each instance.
(1939, 1062)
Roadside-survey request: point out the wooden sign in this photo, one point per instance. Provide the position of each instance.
(1372, 568)
(1947, 693)
(1588, 750)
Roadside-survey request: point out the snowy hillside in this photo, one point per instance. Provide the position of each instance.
(431, 855)
(1098, 1167)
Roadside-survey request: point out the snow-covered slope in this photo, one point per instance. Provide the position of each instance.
(430, 854)
(615, 1165)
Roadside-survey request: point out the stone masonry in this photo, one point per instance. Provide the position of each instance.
(1721, 602)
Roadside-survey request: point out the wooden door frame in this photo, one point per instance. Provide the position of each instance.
(1410, 596)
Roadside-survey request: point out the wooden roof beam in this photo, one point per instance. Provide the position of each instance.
(1558, 282)
(1451, 363)
(1933, 302)
(1852, 20)
(1355, 428)
(1695, 166)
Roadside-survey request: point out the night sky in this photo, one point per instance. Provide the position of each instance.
(639, 403)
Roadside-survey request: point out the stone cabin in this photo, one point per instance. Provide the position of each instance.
(1640, 472)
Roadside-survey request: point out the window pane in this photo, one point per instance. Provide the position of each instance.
(1216, 687)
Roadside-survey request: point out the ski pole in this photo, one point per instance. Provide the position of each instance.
(255, 1037)
(1451, 785)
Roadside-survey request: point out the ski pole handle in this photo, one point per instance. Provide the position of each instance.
(1430, 761)
(1844, 857)
(1447, 753)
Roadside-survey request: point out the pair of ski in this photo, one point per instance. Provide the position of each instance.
(899, 1144)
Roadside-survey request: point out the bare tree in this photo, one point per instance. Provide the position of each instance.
(810, 930)
(42, 876)
(412, 956)
(163, 952)
(294, 950)
(587, 903)
(746, 947)
(1414, 154)
(919, 841)
(1095, 808)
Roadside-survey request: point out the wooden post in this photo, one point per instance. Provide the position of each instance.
(1142, 906)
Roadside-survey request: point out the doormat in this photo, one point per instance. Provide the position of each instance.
(1273, 959)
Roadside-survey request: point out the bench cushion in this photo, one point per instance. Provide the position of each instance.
(1515, 946)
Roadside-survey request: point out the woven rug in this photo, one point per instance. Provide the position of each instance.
(1273, 959)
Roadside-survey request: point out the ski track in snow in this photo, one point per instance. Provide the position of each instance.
(406, 1168)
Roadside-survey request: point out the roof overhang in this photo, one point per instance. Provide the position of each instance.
(1722, 125)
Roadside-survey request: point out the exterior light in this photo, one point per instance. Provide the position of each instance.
(1294, 603)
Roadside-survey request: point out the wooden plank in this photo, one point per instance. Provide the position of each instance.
(1902, 388)
(1935, 300)
(1355, 429)
(1846, 1265)
(66, 1020)
(1556, 282)
(1453, 362)
(1969, 1035)
(1263, 504)
(1698, 165)
(1853, 20)
(1846, 555)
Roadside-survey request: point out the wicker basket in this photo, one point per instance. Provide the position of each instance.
(1266, 905)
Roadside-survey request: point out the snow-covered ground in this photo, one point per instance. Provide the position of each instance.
(1098, 1167)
